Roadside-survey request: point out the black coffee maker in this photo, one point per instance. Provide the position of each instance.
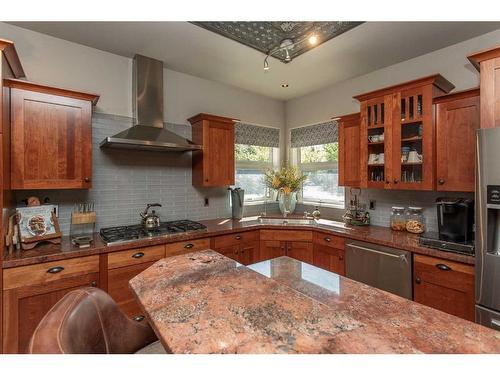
(455, 219)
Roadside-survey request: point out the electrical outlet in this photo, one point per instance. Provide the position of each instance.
(372, 204)
(206, 202)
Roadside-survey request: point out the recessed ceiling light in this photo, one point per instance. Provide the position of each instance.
(313, 39)
(284, 85)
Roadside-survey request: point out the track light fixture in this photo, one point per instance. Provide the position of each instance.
(287, 45)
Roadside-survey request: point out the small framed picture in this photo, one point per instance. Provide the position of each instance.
(37, 224)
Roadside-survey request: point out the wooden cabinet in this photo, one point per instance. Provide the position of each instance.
(398, 135)
(51, 137)
(349, 150)
(328, 253)
(214, 165)
(444, 285)
(242, 247)
(186, 247)
(488, 63)
(457, 119)
(123, 266)
(295, 244)
(30, 291)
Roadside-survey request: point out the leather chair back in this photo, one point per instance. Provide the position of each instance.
(88, 321)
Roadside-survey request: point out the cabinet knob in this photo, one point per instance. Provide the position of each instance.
(238, 237)
(396, 181)
(86, 179)
(189, 246)
(328, 239)
(341, 257)
(56, 269)
(93, 284)
(387, 182)
(138, 318)
(418, 280)
(138, 255)
(441, 181)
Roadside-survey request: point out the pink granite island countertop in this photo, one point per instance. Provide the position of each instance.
(206, 303)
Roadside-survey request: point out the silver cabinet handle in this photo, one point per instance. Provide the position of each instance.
(495, 323)
(138, 255)
(138, 318)
(401, 257)
(328, 239)
(56, 269)
(189, 246)
(238, 237)
(443, 267)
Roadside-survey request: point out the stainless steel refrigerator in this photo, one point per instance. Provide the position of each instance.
(488, 228)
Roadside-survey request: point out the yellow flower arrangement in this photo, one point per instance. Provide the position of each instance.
(286, 180)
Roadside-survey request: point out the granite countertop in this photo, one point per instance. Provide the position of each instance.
(206, 303)
(375, 234)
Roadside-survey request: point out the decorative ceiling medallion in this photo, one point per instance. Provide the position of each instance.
(266, 36)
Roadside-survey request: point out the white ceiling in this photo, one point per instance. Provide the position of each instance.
(190, 49)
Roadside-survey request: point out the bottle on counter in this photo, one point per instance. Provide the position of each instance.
(415, 221)
(398, 219)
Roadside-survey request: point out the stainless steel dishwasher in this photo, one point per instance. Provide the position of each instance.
(379, 266)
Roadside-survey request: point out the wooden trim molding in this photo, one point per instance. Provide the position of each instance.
(457, 95)
(437, 80)
(9, 50)
(350, 116)
(209, 117)
(31, 86)
(481, 56)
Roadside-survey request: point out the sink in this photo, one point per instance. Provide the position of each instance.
(287, 221)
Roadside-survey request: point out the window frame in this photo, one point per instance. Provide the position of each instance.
(311, 167)
(259, 165)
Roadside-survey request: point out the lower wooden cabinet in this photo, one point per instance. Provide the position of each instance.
(444, 285)
(328, 253)
(25, 306)
(242, 247)
(271, 249)
(294, 249)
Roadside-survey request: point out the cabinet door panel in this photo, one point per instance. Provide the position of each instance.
(220, 163)
(119, 290)
(272, 249)
(329, 258)
(457, 122)
(51, 141)
(302, 251)
(249, 252)
(229, 251)
(444, 285)
(24, 307)
(349, 150)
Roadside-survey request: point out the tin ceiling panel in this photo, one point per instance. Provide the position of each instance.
(266, 36)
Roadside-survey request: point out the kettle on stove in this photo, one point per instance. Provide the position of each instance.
(150, 221)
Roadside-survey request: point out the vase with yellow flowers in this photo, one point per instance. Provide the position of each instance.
(286, 181)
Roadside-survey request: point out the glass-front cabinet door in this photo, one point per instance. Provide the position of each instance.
(376, 139)
(413, 134)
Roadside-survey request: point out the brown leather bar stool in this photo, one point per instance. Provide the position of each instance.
(88, 321)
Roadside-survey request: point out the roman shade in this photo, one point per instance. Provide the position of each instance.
(318, 134)
(249, 134)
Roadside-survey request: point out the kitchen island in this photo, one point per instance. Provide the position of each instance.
(205, 302)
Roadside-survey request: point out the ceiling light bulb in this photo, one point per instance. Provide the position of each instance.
(287, 57)
(266, 65)
(313, 39)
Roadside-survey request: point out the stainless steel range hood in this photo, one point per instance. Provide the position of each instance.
(148, 132)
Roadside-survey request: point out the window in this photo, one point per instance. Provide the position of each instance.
(251, 162)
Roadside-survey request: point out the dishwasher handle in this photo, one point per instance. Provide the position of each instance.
(400, 257)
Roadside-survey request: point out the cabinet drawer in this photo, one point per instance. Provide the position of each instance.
(443, 272)
(186, 247)
(135, 256)
(285, 235)
(329, 240)
(235, 239)
(50, 271)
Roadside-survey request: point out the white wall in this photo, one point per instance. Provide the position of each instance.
(57, 62)
(451, 62)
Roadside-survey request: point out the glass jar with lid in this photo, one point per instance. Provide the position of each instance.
(415, 221)
(398, 219)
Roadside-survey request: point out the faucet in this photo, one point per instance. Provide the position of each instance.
(285, 213)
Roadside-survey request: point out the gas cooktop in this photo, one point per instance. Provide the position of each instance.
(128, 233)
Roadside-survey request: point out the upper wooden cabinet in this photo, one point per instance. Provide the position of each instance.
(214, 165)
(51, 137)
(349, 150)
(488, 63)
(457, 119)
(398, 135)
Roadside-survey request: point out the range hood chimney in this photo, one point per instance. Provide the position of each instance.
(147, 96)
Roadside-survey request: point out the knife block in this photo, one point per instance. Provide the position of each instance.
(82, 225)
